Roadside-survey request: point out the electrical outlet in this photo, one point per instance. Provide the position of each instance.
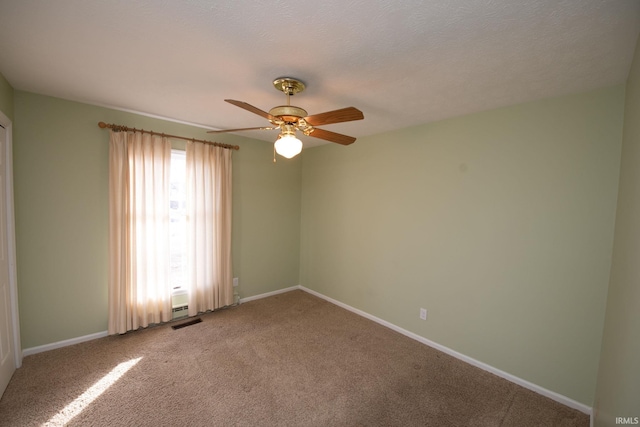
(235, 282)
(423, 313)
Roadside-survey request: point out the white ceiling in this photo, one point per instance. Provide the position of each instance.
(402, 63)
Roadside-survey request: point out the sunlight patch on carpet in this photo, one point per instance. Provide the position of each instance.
(74, 408)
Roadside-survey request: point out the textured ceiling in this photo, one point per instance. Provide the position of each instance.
(401, 63)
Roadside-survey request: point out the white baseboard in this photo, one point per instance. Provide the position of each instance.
(269, 294)
(509, 377)
(72, 341)
(526, 384)
(59, 344)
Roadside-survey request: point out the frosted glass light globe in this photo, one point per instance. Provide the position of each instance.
(288, 146)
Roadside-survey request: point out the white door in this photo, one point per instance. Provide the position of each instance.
(7, 342)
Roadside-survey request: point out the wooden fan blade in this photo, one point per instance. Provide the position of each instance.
(249, 107)
(332, 136)
(336, 116)
(238, 130)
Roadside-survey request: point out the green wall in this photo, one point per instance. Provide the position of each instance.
(618, 392)
(61, 202)
(499, 223)
(6, 98)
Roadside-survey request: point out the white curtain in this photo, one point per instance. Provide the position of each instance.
(209, 269)
(139, 288)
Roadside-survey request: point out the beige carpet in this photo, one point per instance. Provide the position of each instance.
(288, 360)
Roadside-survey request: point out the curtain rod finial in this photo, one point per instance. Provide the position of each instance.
(102, 125)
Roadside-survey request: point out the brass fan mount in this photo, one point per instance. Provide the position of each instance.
(288, 85)
(288, 113)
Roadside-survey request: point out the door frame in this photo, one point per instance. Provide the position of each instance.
(11, 239)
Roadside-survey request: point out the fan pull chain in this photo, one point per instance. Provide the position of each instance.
(274, 153)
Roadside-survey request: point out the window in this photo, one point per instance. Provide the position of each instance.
(178, 220)
(152, 225)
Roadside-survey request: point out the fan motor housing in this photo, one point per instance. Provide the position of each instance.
(288, 113)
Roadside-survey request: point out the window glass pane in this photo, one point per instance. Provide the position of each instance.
(178, 220)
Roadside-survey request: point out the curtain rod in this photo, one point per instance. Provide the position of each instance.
(119, 128)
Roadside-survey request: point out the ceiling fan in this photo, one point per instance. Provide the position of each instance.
(289, 119)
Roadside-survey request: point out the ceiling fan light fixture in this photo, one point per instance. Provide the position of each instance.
(289, 119)
(288, 145)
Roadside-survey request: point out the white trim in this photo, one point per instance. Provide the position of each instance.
(526, 384)
(11, 239)
(78, 340)
(137, 112)
(269, 294)
(65, 343)
(509, 377)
